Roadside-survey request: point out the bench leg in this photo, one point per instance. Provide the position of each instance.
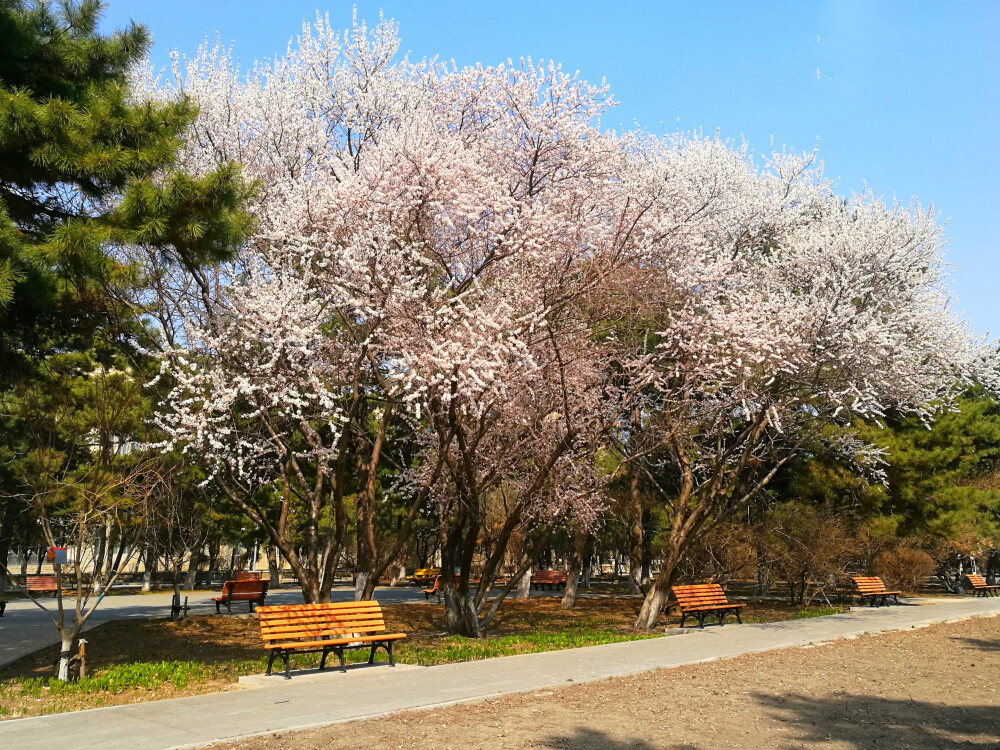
(229, 606)
(683, 617)
(386, 646)
(721, 614)
(340, 653)
(270, 661)
(288, 671)
(701, 619)
(217, 610)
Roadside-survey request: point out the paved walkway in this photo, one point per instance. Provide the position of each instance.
(317, 700)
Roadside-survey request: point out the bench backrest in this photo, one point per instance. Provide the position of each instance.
(426, 572)
(547, 576)
(235, 588)
(40, 583)
(284, 625)
(976, 580)
(246, 575)
(699, 595)
(869, 584)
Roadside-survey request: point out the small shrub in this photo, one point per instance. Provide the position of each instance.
(904, 568)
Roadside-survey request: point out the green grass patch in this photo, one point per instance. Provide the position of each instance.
(800, 614)
(136, 675)
(457, 648)
(803, 614)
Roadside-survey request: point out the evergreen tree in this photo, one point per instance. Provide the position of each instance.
(941, 480)
(85, 170)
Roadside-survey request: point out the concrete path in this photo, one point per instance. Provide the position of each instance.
(320, 699)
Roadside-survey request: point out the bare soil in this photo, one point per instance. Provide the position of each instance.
(926, 688)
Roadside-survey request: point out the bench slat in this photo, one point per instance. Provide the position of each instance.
(273, 633)
(338, 641)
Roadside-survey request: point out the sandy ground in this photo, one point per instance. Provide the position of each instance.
(936, 687)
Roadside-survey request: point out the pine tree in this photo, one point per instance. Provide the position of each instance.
(84, 170)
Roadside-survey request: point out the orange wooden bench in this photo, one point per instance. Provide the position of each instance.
(252, 592)
(423, 576)
(434, 591)
(324, 628)
(980, 587)
(872, 589)
(40, 583)
(550, 578)
(702, 599)
(246, 575)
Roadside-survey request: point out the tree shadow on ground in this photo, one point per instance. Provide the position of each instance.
(980, 643)
(593, 739)
(866, 721)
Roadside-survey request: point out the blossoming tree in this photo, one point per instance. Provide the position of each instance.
(467, 253)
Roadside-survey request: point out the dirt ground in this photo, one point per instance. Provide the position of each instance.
(934, 687)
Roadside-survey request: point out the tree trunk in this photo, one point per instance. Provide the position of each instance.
(524, 585)
(573, 574)
(192, 571)
(653, 604)
(659, 593)
(214, 550)
(635, 536)
(273, 571)
(646, 575)
(588, 559)
(67, 638)
(361, 582)
(6, 535)
(150, 568)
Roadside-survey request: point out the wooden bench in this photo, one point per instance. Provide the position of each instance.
(252, 592)
(704, 599)
(550, 578)
(40, 583)
(245, 575)
(324, 628)
(872, 589)
(434, 591)
(423, 576)
(980, 587)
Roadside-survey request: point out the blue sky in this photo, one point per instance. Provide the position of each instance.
(903, 97)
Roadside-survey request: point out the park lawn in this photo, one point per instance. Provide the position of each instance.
(141, 660)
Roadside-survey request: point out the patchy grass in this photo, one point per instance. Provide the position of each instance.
(141, 660)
